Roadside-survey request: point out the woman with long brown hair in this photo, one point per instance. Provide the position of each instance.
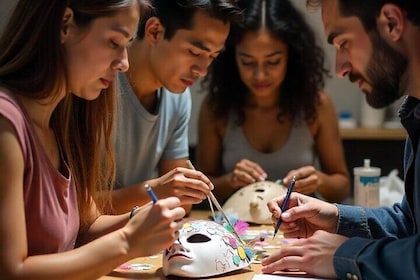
(58, 61)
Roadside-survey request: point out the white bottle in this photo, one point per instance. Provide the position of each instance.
(366, 185)
(371, 117)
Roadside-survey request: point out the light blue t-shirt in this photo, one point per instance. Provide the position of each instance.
(142, 139)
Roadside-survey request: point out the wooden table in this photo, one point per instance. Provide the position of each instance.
(157, 273)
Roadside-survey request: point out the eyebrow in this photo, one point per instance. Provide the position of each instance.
(201, 46)
(268, 55)
(121, 30)
(125, 33)
(331, 37)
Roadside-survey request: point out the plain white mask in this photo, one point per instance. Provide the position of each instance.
(250, 202)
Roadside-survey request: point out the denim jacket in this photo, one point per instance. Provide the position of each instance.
(385, 242)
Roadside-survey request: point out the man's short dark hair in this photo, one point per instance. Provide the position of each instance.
(178, 14)
(368, 10)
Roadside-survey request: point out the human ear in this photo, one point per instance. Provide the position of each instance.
(153, 30)
(65, 24)
(391, 22)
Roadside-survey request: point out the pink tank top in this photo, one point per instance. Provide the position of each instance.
(51, 213)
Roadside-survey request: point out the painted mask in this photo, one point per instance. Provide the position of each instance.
(250, 202)
(206, 249)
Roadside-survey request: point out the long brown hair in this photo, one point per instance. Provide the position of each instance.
(33, 64)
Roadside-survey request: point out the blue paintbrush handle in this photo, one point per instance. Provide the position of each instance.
(283, 206)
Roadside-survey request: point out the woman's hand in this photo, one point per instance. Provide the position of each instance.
(246, 172)
(307, 179)
(154, 227)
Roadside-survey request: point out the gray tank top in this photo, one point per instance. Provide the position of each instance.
(298, 151)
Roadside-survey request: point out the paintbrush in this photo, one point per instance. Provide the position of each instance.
(214, 200)
(154, 199)
(283, 206)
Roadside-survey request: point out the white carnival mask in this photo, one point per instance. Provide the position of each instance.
(250, 202)
(206, 249)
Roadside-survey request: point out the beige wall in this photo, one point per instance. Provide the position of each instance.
(345, 95)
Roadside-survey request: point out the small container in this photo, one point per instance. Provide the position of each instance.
(366, 185)
(346, 120)
(371, 117)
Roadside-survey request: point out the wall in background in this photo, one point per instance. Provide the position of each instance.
(5, 8)
(345, 95)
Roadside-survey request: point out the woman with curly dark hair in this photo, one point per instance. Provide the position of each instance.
(266, 116)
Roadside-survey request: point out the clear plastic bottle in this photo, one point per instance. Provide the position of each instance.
(366, 185)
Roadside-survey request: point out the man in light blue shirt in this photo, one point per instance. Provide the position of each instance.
(174, 48)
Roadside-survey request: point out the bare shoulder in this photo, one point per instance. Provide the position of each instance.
(205, 109)
(208, 117)
(326, 115)
(6, 125)
(10, 147)
(325, 100)
(326, 109)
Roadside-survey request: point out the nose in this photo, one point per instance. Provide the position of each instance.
(121, 63)
(342, 65)
(253, 204)
(259, 72)
(178, 247)
(201, 66)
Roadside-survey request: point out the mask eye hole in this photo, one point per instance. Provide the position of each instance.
(260, 190)
(198, 238)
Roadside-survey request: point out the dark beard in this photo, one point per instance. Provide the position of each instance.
(385, 73)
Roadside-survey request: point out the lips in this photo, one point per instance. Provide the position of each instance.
(179, 255)
(106, 82)
(360, 83)
(188, 82)
(260, 86)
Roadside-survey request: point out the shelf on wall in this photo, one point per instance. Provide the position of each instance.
(373, 133)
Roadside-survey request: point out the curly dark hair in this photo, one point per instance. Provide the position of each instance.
(305, 70)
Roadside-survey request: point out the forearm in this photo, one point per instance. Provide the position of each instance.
(124, 199)
(386, 258)
(223, 189)
(334, 187)
(376, 223)
(103, 225)
(87, 262)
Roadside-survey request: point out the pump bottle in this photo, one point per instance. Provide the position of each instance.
(366, 185)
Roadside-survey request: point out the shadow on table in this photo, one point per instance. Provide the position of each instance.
(158, 274)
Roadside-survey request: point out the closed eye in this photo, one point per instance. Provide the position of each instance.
(114, 44)
(194, 53)
(342, 45)
(247, 63)
(275, 62)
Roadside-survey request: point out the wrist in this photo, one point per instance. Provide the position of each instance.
(230, 181)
